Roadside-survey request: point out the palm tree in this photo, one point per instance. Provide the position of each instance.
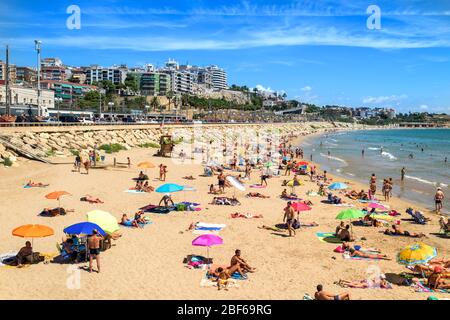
(154, 103)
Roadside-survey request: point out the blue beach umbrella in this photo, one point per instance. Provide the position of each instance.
(338, 186)
(169, 188)
(84, 228)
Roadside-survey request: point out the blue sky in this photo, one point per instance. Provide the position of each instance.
(318, 51)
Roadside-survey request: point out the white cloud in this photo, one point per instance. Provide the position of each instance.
(424, 107)
(385, 99)
(261, 88)
(306, 89)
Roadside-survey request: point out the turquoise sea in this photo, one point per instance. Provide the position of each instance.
(421, 151)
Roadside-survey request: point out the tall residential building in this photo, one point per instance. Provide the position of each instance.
(116, 75)
(78, 75)
(205, 78)
(54, 69)
(155, 83)
(20, 95)
(12, 72)
(26, 74)
(219, 77)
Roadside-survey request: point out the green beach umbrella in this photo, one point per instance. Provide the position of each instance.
(349, 214)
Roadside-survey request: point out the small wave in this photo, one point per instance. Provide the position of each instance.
(436, 184)
(374, 148)
(350, 174)
(388, 155)
(333, 140)
(333, 158)
(331, 144)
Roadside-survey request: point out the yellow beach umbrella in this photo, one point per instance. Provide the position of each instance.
(104, 219)
(146, 165)
(417, 253)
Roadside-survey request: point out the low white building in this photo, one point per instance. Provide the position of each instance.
(27, 96)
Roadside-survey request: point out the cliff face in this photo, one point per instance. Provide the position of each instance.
(47, 142)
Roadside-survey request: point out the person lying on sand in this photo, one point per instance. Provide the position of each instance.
(323, 295)
(238, 260)
(346, 246)
(189, 177)
(359, 254)
(272, 228)
(365, 284)
(256, 195)
(47, 212)
(230, 270)
(399, 231)
(436, 281)
(36, 184)
(91, 199)
(128, 222)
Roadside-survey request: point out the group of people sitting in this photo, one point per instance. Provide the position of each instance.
(143, 186)
(343, 232)
(135, 223)
(334, 199)
(223, 275)
(225, 201)
(437, 272)
(354, 195)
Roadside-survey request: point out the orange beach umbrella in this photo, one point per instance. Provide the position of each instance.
(33, 231)
(146, 165)
(56, 195)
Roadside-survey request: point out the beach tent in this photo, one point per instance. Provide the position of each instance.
(33, 231)
(418, 253)
(104, 219)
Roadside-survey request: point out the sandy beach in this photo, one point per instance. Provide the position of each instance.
(148, 263)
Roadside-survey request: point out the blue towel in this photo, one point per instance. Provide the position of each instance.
(208, 228)
(238, 276)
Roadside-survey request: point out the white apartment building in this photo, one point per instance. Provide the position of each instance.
(219, 77)
(116, 75)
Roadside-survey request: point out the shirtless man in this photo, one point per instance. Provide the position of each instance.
(24, 252)
(323, 295)
(436, 280)
(289, 215)
(94, 249)
(399, 231)
(237, 259)
(221, 178)
(438, 199)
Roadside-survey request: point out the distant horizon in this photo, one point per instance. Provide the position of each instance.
(319, 52)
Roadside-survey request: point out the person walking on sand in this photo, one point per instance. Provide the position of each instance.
(403, 173)
(87, 165)
(438, 199)
(94, 249)
(289, 215)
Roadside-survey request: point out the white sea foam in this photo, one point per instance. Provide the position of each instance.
(333, 140)
(433, 183)
(388, 155)
(350, 174)
(333, 158)
(371, 148)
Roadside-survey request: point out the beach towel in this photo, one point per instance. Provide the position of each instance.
(328, 237)
(135, 191)
(291, 198)
(257, 186)
(420, 287)
(202, 232)
(346, 256)
(28, 187)
(161, 210)
(238, 276)
(142, 225)
(208, 228)
(205, 283)
(6, 256)
(210, 225)
(245, 215)
(344, 205)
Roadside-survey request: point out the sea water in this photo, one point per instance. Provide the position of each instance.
(421, 151)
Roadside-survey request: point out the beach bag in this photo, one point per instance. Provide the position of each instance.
(181, 207)
(339, 250)
(296, 224)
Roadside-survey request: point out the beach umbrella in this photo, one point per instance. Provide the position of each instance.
(350, 214)
(302, 164)
(169, 187)
(33, 231)
(84, 228)
(104, 219)
(375, 205)
(417, 253)
(300, 206)
(146, 165)
(235, 183)
(207, 240)
(268, 164)
(338, 186)
(294, 183)
(57, 195)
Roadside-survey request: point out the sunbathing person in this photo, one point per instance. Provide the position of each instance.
(365, 284)
(91, 199)
(138, 217)
(23, 253)
(346, 246)
(363, 195)
(345, 235)
(399, 231)
(352, 194)
(68, 247)
(230, 270)
(359, 254)
(213, 190)
(223, 278)
(146, 187)
(272, 228)
(189, 177)
(138, 186)
(436, 280)
(167, 199)
(36, 184)
(256, 195)
(237, 259)
(54, 212)
(128, 222)
(323, 295)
